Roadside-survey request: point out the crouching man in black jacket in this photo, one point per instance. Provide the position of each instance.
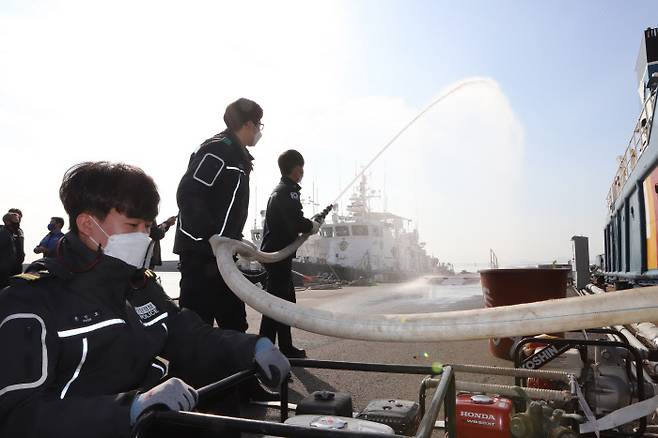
(82, 333)
(284, 221)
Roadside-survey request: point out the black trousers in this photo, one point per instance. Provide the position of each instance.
(202, 289)
(279, 283)
(4, 277)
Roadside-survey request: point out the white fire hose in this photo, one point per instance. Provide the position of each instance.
(575, 313)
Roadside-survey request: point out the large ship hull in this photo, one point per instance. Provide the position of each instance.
(346, 273)
(324, 270)
(631, 232)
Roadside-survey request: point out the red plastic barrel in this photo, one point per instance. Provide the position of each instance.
(505, 287)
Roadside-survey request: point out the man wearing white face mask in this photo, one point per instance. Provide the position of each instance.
(132, 247)
(85, 330)
(213, 198)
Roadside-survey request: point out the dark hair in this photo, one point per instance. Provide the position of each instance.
(240, 112)
(15, 210)
(98, 187)
(58, 220)
(7, 218)
(288, 160)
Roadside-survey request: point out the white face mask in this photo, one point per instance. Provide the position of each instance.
(257, 137)
(135, 248)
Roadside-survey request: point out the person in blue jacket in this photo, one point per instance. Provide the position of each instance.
(48, 245)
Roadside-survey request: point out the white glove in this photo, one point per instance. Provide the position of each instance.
(173, 394)
(316, 227)
(272, 365)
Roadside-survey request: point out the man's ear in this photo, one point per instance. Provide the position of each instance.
(85, 223)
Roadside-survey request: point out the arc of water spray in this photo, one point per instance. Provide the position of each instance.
(565, 314)
(448, 93)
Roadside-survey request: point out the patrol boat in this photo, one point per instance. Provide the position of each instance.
(364, 245)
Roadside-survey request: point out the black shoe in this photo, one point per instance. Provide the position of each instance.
(293, 353)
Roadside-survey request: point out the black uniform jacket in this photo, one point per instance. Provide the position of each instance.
(284, 218)
(213, 195)
(8, 255)
(19, 239)
(82, 333)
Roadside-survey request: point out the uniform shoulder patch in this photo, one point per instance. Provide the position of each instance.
(27, 276)
(32, 276)
(294, 195)
(227, 141)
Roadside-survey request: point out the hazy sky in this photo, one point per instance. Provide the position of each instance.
(519, 163)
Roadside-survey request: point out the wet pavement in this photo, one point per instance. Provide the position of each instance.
(417, 296)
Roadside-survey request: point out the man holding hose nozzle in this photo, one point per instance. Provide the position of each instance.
(284, 221)
(81, 334)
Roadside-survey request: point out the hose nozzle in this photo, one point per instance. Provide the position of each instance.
(320, 217)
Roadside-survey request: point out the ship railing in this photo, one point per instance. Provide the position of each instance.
(636, 147)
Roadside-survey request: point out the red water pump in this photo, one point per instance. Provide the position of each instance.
(483, 416)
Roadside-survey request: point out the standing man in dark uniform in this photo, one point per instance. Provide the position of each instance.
(284, 221)
(7, 249)
(82, 333)
(157, 234)
(19, 241)
(213, 198)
